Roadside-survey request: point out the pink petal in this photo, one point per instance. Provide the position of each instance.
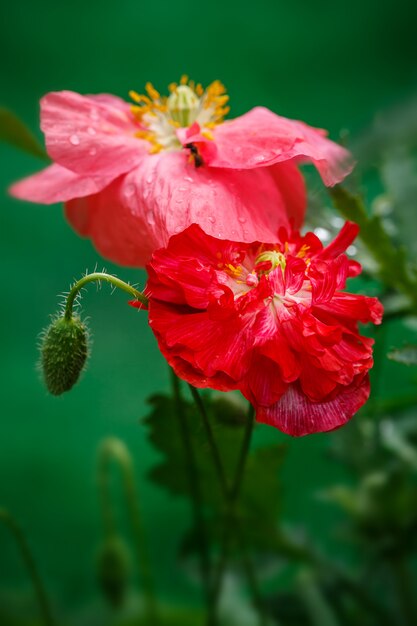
(117, 233)
(261, 138)
(168, 194)
(296, 415)
(91, 135)
(56, 184)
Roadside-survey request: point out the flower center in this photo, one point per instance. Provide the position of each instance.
(159, 117)
(268, 261)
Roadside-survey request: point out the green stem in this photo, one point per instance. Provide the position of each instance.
(231, 496)
(240, 469)
(114, 450)
(44, 605)
(194, 486)
(211, 441)
(98, 276)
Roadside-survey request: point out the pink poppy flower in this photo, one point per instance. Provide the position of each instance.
(133, 175)
(268, 319)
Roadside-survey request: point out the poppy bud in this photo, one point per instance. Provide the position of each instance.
(64, 348)
(113, 569)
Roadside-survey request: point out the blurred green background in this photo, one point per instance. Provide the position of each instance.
(335, 65)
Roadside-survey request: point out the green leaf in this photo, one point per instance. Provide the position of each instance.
(16, 133)
(406, 355)
(165, 434)
(394, 266)
(258, 507)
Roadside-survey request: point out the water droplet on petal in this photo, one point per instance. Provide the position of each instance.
(211, 219)
(242, 219)
(183, 188)
(92, 151)
(94, 114)
(188, 179)
(129, 190)
(91, 131)
(74, 140)
(149, 180)
(177, 229)
(150, 218)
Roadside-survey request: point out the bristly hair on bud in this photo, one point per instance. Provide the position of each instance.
(64, 350)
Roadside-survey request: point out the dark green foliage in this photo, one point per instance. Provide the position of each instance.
(64, 350)
(14, 132)
(258, 506)
(392, 260)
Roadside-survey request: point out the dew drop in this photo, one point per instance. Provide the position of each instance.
(177, 229)
(92, 151)
(242, 219)
(129, 190)
(183, 188)
(91, 131)
(149, 180)
(150, 218)
(211, 219)
(74, 140)
(94, 114)
(188, 179)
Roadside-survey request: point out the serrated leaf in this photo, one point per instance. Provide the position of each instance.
(406, 355)
(17, 134)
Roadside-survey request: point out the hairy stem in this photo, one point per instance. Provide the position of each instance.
(43, 601)
(97, 277)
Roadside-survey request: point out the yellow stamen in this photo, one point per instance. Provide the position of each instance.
(188, 103)
(207, 134)
(153, 93)
(303, 251)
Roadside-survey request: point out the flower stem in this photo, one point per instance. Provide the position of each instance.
(31, 567)
(240, 470)
(231, 496)
(113, 449)
(194, 486)
(211, 441)
(98, 276)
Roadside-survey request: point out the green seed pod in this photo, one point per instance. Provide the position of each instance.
(113, 569)
(64, 349)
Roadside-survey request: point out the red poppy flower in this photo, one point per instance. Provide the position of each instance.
(268, 319)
